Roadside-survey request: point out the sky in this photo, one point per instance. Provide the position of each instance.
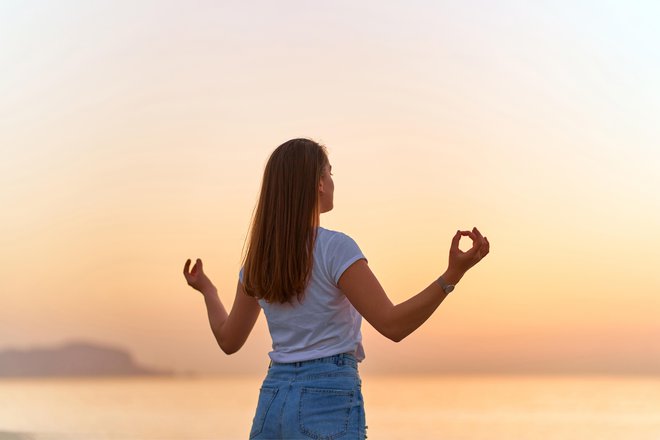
(134, 136)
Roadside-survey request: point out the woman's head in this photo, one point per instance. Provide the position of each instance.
(293, 178)
(296, 188)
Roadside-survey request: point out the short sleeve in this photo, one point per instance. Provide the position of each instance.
(344, 251)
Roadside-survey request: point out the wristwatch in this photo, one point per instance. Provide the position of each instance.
(446, 287)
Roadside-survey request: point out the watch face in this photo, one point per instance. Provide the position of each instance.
(449, 288)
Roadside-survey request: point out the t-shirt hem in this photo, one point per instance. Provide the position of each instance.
(302, 357)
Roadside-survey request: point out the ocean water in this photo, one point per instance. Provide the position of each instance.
(397, 407)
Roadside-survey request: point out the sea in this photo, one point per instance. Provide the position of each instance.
(460, 407)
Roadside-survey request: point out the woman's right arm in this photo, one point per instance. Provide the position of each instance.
(395, 322)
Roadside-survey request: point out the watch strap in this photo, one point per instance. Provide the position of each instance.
(447, 288)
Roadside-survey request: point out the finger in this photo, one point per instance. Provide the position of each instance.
(478, 234)
(186, 267)
(470, 234)
(486, 247)
(197, 267)
(455, 240)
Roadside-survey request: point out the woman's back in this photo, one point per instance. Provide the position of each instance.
(324, 323)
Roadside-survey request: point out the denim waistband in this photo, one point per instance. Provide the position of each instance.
(337, 359)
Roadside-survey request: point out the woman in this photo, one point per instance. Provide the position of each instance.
(314, 286)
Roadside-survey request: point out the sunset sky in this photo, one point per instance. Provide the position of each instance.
(134, 136)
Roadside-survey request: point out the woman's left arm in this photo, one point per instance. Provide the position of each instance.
(230, 330)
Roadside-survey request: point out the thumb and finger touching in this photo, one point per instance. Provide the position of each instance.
(480, 247)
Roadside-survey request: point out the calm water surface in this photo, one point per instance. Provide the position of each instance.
(397, 407)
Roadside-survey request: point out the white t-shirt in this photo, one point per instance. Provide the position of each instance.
(325, 323)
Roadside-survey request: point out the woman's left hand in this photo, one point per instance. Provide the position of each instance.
(196, 278)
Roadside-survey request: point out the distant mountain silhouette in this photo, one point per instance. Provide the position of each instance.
(71, 359)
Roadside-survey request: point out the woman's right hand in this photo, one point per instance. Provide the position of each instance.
(459, 261)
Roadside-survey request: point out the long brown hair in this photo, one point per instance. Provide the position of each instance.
(279, 259)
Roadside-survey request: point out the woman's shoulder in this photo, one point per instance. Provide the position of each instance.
(330, 233)
(336, 237)
(338, 251)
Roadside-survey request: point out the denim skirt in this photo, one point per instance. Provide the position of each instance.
(315, 399)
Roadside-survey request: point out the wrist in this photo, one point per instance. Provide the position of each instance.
(209, 291)
(452, 276)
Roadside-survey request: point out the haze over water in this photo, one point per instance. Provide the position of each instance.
(397, 407)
